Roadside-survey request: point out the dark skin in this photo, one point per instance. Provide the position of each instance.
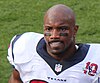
(59, 33)
(15, 77)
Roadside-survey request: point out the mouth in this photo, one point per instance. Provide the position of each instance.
(55, 43)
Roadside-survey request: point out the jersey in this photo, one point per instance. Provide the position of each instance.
(27, 53)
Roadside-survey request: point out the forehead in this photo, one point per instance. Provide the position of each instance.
(59, 14)
(56, 19)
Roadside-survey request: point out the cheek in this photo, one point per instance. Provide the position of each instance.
(67, 39)
(47, 34)
(46, 38)
(63, 34)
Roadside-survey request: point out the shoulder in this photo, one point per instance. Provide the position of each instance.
(29, 36)
(24, 46)
(26, 40)
(90, 48)
(26, 37)
(94, 50)
(91, 45)
(95, 46)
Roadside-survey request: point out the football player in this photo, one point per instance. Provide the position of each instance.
(54, 57)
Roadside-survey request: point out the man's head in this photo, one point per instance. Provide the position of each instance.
(59, 29)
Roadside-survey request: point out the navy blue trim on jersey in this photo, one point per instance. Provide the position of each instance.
(16, 38)
(79, 55)
(13, 42)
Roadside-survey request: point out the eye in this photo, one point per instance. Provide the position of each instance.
(48, 28)
(64, 28)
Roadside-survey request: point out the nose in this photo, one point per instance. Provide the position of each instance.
(55, 34)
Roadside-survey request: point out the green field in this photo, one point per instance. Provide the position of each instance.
(19, 16)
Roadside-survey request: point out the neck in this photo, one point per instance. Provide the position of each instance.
(69, 53)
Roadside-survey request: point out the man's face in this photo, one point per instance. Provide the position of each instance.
(58, 34)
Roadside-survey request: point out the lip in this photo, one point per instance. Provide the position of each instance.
(55, 43)
(55, 40)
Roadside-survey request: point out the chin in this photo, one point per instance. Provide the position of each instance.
(56, 52)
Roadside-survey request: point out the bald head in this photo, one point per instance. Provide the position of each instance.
(59, 30)
(61, 12)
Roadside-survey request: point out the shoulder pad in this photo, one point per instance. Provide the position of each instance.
(25, 47)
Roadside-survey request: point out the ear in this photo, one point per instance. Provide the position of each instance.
(75, 30)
